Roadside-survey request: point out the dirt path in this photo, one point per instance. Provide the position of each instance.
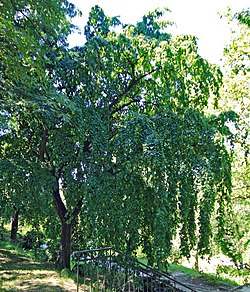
(19, 273)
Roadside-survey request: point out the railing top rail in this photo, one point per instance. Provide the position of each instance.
(77, 254)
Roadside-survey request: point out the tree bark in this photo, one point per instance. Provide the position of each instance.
(63, 259)
(67, 225)
(14, 226)
(196, 264)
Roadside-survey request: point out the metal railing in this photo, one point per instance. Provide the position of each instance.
(107, 269)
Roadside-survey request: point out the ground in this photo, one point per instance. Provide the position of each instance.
(199, 284)
(19, 273)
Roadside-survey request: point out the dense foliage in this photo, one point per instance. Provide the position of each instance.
(115, 133)
(235, 96)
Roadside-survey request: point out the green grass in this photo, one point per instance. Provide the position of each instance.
(18, 271)
(210, 278)
(226, 279)
(187, 271)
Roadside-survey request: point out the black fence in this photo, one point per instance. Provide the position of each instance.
(107, 269)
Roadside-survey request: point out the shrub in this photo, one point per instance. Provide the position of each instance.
(32, 239)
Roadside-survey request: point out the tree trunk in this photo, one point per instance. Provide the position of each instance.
(63, 259)
(68, 221)
(196, 264)
(2, 230)
(14, 226)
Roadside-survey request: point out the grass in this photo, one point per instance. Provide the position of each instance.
(209, 278)
(188, 273)
(12, 247)
(19, 272)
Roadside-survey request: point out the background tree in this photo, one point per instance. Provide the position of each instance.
(235, 96)
(30, 35)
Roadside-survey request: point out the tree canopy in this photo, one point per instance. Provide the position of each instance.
(235, 96)
(116, 131)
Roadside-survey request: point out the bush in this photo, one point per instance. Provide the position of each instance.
(32, 240)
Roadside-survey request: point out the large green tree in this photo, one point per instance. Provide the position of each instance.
(121, 136)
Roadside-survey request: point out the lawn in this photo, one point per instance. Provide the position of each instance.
(20, 273)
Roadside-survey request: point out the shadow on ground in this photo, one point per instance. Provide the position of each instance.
(19, 273)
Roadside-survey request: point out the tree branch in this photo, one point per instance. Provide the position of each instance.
(43, 146)
(132, 84)
(30, 21)
(60, 207)
(124, 105)
(243, 197)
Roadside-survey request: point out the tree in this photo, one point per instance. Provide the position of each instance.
(121, 126)
(30, 34)
(22, 194)
(235, 96)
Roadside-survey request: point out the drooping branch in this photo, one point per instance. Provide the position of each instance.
(242, 187)
(242, 197)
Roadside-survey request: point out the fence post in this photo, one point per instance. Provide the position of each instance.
(77, 276)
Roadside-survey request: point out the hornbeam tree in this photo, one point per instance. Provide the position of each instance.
(121, 135)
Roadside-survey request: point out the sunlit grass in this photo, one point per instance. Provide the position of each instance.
(210, 278)
(223, 278)
(19, 272)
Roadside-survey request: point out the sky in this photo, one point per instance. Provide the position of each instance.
(196, 17)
